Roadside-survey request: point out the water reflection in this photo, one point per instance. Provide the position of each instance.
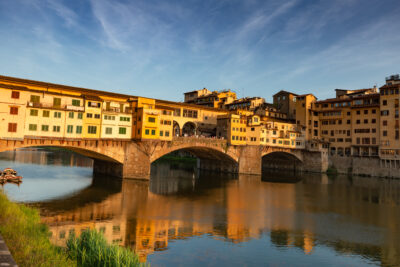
(185, 217)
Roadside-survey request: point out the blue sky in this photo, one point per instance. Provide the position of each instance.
(163, 48)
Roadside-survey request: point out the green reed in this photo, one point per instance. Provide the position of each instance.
(91, 249)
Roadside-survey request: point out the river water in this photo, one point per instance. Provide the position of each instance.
(184, 217)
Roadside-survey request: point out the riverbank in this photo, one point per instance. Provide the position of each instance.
(28, 241)
(27, 238)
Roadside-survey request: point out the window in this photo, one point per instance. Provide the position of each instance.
(93, 104)
(110, 118)
(151, 119)
(32, 127)
(57, 102)
(374, 111)
(78, 129)
(348, 113)
(45, 128)
(373, 120)
(35, 98)
(97, 116)
(12, 127)
(188, 113)
(34, 112)
(57, 114)
(76, 102)
(161, 133)
(385, 113)
(56, 129)
(46, 113)
(153, 132)
(92, 129)
(14, 110)
(384, 102)
(358, 112)
(15, 94)
(108, 130)
(384, 123)
(166, 133)
(366, 111)
(129, 119)
(384, 133)
(348, 121)
(89, 115)
(147, 132)
(70, 129)
(358, 121)
(177, 112)
(71, 115)
(80, 115)
(122, 130)
(365, 121)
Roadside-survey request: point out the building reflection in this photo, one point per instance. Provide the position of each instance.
(339, 213)
(40, 156)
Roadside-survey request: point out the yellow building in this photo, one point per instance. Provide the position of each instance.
(92, 117)
(116, 119)
(389, 119)
(233, 128)
(12, 111)
(146, 119)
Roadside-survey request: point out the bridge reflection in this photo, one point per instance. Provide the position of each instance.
(337, 213)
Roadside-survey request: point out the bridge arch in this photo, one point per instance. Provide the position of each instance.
(211, 155)
(93, 149)
(283, 160)
(176, 129)
(189, 129)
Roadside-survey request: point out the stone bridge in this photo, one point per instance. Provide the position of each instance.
(132, 159)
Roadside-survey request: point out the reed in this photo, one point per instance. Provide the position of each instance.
(91, 249)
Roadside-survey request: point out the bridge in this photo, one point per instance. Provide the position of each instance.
(132, 159)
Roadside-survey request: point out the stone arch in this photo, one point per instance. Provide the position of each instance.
(93, 149)
(282, 160)
(210, 157)
(176, 129)
(189, 129)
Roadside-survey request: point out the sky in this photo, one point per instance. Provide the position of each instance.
(163, 48)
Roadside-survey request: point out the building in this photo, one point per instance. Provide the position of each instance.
(284, 102)
(247, 103)
(389, 119)
(233, 128)
(348, 122)
(215, 99)
(190, 97)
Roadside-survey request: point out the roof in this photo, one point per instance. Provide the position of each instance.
(306, 95)
(284, 92)
(194, 91)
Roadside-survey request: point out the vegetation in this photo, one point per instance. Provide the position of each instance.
(28, 239)
(177, 159)
(332, 171)
(91, 249)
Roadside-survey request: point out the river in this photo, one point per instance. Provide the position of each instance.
(184, 217)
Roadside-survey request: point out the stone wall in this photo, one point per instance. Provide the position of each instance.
(369, 166)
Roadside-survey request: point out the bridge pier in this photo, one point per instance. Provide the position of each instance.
(250, 160)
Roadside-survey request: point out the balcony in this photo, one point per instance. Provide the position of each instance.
(74, 108)
(52, 106)
(118, 110)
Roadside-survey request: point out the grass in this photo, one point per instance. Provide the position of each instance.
(91, 249)
(27, 238)
(28, 241)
